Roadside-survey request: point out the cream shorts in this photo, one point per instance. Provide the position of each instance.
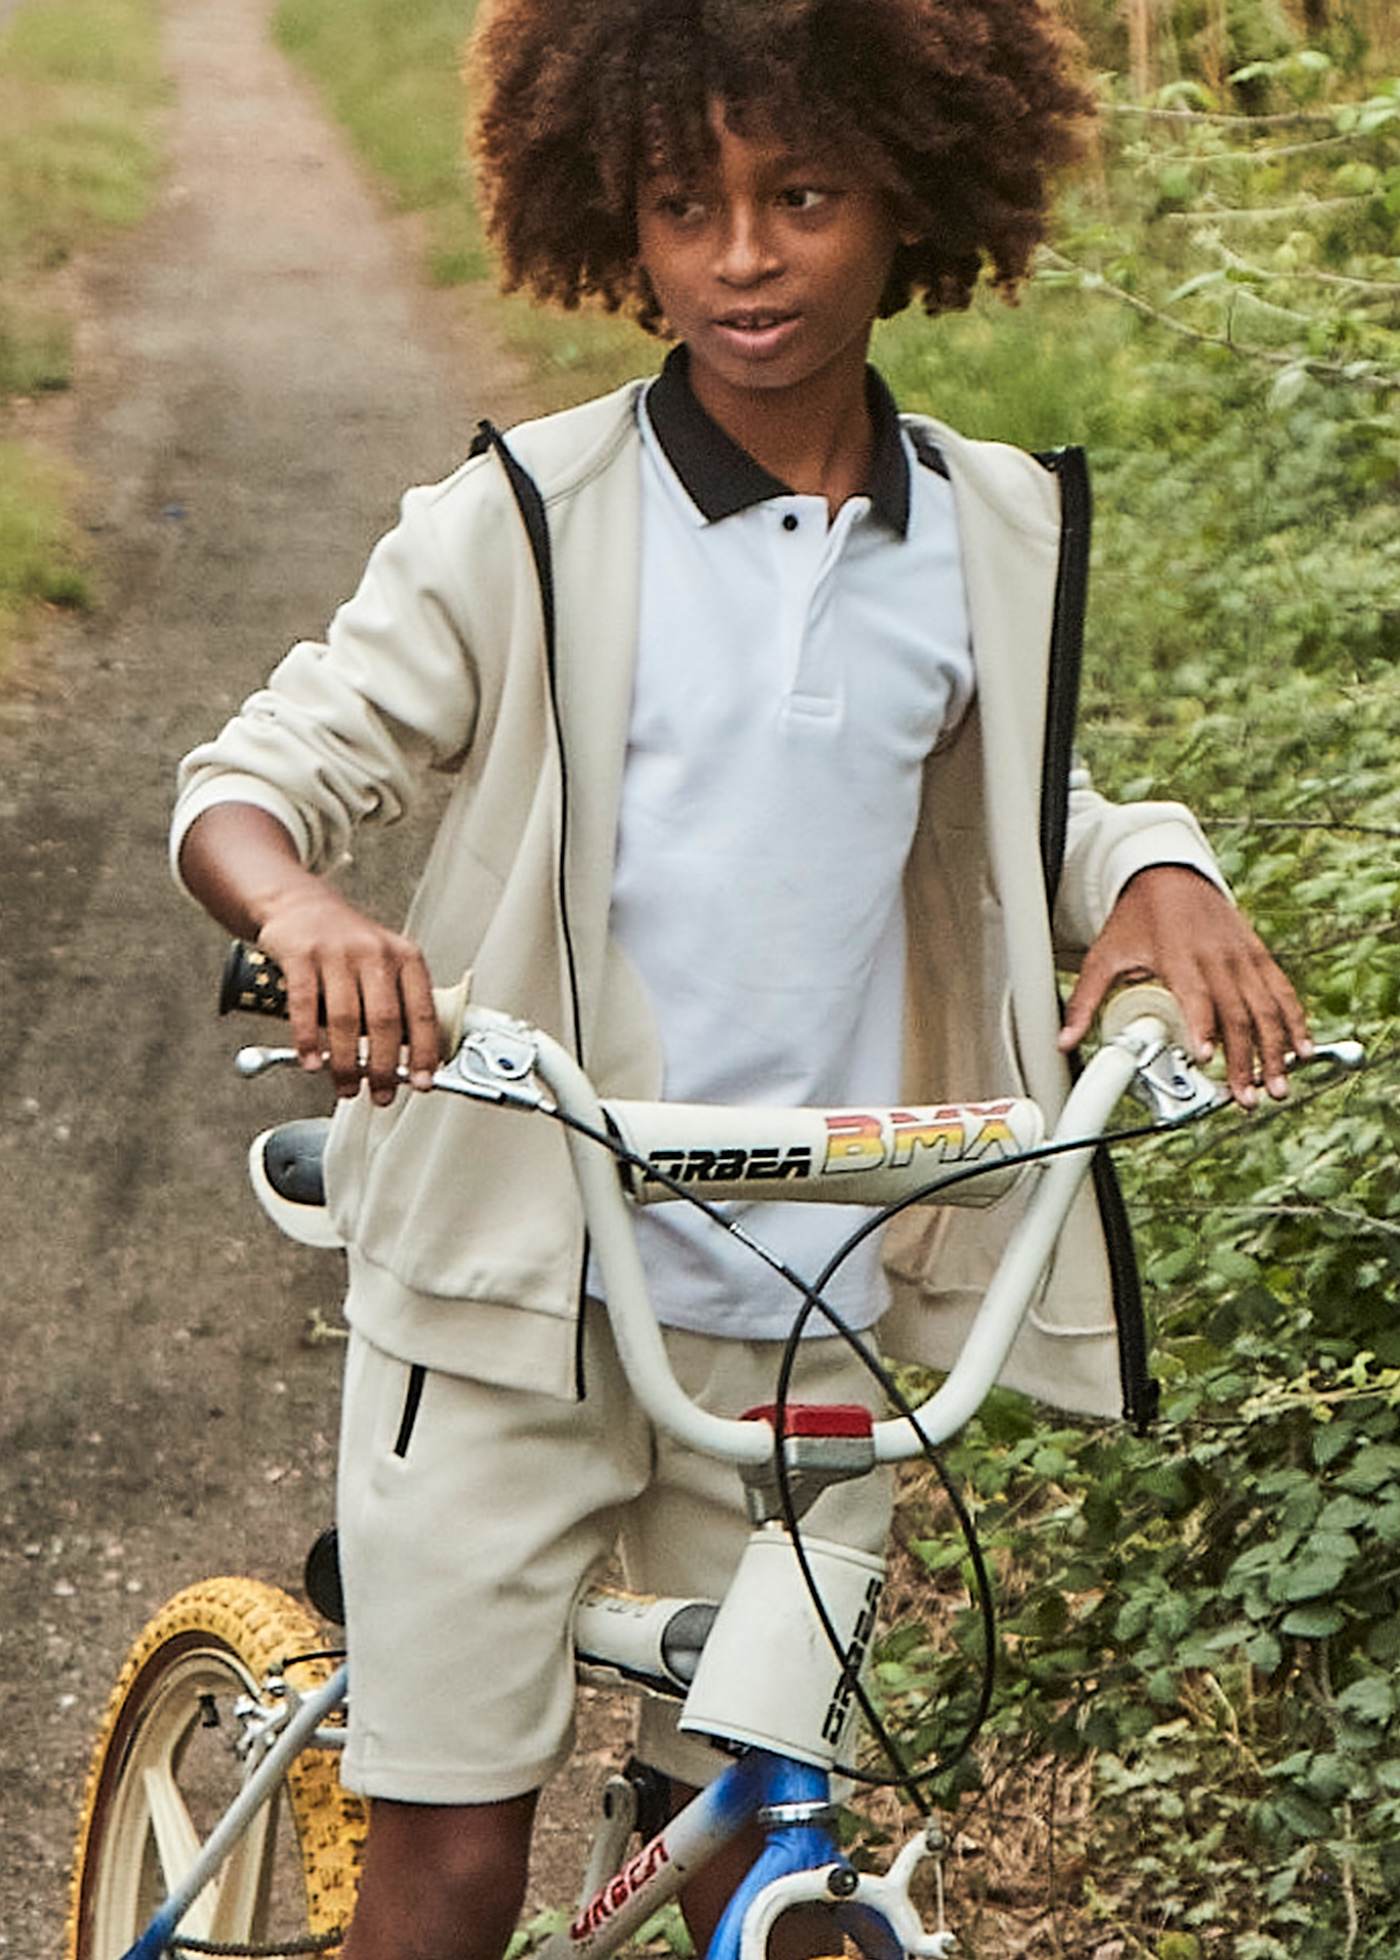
(471, 1517)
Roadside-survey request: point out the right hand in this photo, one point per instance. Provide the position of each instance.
(347, 977)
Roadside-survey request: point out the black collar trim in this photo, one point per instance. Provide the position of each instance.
(721, 478)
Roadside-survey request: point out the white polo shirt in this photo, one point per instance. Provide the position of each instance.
(794, 670)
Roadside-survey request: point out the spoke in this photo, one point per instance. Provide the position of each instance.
(241, 1886)
(177, 1843)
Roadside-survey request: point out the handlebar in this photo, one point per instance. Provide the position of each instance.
(493, 1058)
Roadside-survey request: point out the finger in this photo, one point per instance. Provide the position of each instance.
(1237, 1039)
(1280, 1025)
(383, 1026)
(1294, 1015)
(1195, 997)
(343, 1011)
(303, 997)
(420, 1021)
(1085, 999)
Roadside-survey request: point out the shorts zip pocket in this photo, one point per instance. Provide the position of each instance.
(417, 1376)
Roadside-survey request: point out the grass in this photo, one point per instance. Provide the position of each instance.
(392, 75)
(80, 88)
(39, 560)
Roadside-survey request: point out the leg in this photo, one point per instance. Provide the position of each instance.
(469, 1518)
(442, 1881)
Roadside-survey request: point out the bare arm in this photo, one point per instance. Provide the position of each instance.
(346, 974)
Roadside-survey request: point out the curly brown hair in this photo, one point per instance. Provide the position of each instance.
(960, 110)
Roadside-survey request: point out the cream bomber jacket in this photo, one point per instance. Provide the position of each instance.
(466, 1239)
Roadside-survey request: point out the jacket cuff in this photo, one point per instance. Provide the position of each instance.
(1164, 843)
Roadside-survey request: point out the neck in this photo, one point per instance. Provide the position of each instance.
(817, 437)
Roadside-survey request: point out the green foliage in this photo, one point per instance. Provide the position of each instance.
(1210, 1613)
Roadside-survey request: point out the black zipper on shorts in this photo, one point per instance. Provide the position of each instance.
(413, 1396)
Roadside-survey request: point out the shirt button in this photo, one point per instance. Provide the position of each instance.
(789, 522)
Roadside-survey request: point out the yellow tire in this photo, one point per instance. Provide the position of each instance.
(165, 1768)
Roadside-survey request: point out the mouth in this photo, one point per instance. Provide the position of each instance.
(756, 330)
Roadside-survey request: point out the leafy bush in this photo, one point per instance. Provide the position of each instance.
(1209, 1614)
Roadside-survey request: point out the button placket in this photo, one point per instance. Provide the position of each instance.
(815, 668)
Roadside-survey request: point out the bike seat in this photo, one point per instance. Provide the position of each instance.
(285, 1166)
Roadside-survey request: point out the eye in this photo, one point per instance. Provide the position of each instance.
(677, 207)
(804, 197)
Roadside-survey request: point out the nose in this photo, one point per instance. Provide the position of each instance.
(747, 252)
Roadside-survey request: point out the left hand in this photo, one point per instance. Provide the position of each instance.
(1172, 924)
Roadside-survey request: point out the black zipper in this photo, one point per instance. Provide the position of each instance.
(413, 1397)
(532, 513)
(1140, 1391)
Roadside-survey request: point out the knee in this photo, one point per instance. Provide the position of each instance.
(442, 1882)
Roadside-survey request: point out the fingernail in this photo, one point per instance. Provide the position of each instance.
(1249, 1096)
(421, 1078)
(1278, 1087)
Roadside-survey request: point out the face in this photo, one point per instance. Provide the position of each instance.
(770, 267)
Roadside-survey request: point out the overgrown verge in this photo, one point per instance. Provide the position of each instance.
(79, 88)
(1206, 1619)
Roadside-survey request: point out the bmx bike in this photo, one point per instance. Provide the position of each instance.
(213, 1820)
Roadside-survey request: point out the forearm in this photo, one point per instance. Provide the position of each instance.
(242, 865)
(358, 994)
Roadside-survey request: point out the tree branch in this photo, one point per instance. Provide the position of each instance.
(1305, 823)
(1261, 213)
(1291, 118)
(1266, 153)
(1379, 380)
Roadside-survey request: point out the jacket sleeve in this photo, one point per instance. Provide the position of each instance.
(343, 729)
(1106, 844)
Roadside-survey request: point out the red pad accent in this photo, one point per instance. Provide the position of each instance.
(816, 1418)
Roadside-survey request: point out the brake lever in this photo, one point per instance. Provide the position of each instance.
(1345, 1054)
(1176, 1091)
(1173, 1089)
(490, 1065)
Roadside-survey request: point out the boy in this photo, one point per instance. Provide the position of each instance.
(746, 807)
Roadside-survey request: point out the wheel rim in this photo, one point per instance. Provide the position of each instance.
(173, 1771)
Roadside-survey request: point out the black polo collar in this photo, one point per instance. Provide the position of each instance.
(722, 479)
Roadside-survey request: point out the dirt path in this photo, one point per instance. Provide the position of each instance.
(260, 377)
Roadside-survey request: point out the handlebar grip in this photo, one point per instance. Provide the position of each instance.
(1141, 997)
(252, 983)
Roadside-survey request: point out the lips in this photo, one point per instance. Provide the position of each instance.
(756, 331)
(754, 320)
